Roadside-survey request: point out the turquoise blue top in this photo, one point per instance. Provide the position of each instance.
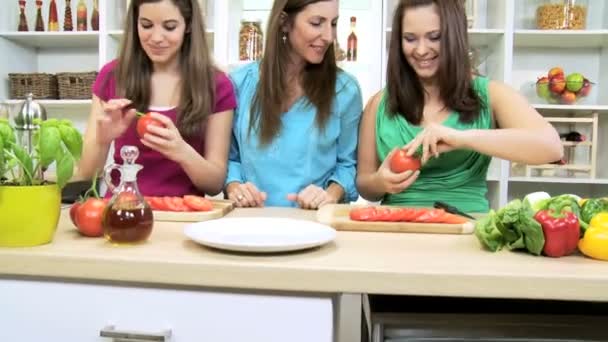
(300, 154)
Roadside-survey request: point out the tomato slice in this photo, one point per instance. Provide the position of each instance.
(430, 216)
(383, 214)
(395, 215)
(156, 203)
(454, 219)
(173, 203)
(198, 203)
(363, 214)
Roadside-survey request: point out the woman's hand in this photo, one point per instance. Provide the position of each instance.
(312, 197)
(435, 139)
(115, 120)
(245, 195)
(166, 140)
(394, 183)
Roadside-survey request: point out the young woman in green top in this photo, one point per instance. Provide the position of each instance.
(434, 104)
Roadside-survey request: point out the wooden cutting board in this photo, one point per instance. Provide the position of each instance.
(220, 209)
(336, 216)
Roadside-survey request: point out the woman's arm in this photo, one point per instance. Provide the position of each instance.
(106, 122)
(375, 179)
(341, 185)
(523, 135)
(208, 172)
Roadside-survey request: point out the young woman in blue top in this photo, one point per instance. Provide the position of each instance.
(295, 130)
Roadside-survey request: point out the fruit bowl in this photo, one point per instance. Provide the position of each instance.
(559, 88)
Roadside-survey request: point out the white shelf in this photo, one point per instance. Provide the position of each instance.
(74, 39)
(573, 108)
(561, 38)
(569, 180)
(576, 143)
(55, 104)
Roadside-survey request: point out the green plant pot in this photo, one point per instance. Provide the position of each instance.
(28, 214)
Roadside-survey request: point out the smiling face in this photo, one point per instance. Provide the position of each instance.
(312, 31)
(161, 28)
(421, 36)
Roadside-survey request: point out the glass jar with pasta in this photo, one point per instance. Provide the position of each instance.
(251, 40)
(562, 15)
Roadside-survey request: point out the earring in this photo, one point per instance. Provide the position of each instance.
(284, 38)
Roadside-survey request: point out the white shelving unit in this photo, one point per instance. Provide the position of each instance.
(511, 50)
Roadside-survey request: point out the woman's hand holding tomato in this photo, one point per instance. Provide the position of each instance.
(115, 120)
(434, 140)
(312, 197)
(146, 120)
(393, 182)
(87, 216)
(245, 195)
(165, 138)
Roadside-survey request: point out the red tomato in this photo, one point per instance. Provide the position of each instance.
(401, 162)
(198, 203)
(73, 211)
(145, 121)
(157, 203)
(89, 217)
(451, 218)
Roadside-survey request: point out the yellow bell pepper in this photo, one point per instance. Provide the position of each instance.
(595, 242)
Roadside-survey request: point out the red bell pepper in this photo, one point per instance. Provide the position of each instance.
(561, 232)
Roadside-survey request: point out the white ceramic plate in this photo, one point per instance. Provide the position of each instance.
(260, 234)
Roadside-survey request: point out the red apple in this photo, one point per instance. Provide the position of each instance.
(557, 84)
(568, 97)
(584, 91)
(556, 72)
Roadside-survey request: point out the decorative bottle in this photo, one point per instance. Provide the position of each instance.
(22, 18)
(68, 24)
(351, 46)
(39, 21)
(128, 219)
(95, 16)
(81, 16)
(53, 22)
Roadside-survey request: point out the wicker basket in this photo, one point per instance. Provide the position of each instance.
(75, 85)
(41, 85)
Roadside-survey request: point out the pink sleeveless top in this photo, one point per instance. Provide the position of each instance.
(160, 176)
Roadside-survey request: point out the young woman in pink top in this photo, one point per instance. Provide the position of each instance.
(164, 66)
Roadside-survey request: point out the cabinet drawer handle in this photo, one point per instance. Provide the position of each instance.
(134, 336)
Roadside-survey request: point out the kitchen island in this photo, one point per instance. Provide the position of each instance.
(76, 286)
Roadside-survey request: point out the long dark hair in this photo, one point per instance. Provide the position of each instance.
(197, 70)
(318, 80)
(404, 88)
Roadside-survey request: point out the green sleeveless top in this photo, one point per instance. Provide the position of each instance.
(457, 177)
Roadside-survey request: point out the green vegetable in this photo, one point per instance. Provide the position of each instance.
(592, 207)
(537, 200)
(54, 142)
(488, 234)
(513, 227)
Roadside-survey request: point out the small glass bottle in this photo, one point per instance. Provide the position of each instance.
(53, 19)
(68, 24)
(22, 18)
(39, 21)
(95, 17)
(351, 46)
(81, 16)
(128, 219)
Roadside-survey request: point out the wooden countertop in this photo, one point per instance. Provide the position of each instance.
(380, 263)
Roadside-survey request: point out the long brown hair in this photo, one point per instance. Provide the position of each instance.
(318, 80)
(405, 90)
(197, 70)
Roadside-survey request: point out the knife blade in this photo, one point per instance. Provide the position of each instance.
(451, 209)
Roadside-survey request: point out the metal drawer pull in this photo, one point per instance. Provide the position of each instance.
(133, 336)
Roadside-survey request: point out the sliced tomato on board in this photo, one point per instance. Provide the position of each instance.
(363, 214)
(198, 203)
(383, 214)
(453, 219)
(174, 203)
(430, 216)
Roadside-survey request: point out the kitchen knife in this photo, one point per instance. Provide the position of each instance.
(451, 209)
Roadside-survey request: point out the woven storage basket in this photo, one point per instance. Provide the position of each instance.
(75, 85)
(41, 85)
